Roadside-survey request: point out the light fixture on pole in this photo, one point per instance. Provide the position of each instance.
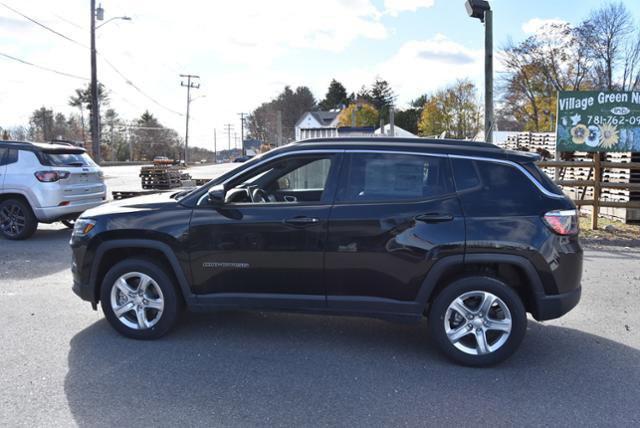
(481, 10)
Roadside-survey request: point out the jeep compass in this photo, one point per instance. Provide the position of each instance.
(467, 234)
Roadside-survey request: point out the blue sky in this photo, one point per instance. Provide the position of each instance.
(246, 50)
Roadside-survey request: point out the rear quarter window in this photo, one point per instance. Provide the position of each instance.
(490, 189)
(542, 178)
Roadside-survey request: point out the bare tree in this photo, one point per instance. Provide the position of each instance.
(607, 34)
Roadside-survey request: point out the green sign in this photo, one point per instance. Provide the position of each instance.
(598, 121)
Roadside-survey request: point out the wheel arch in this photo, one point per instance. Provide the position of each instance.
(516, 271)
(14, 195)
(110, 252)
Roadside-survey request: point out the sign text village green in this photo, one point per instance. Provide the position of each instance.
(598, 121)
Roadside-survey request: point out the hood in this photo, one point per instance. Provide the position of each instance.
(153, 202)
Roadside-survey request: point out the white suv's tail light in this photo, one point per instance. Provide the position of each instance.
(51, 176)
(562, 222)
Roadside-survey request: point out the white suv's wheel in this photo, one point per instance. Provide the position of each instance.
(17, 220)
(478, 321)
(139, 299)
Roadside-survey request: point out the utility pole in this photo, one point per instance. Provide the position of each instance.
(242, 116)
(95, 108)
(228, 128)
(279, 127)
(215, 148)
(188, 85)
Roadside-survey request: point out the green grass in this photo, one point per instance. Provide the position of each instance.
(623, 232)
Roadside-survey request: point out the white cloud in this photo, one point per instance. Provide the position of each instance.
(535, 25)
(395, 7)
(422, 66)
(235, 47)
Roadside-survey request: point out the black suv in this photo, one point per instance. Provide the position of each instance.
(468, 234)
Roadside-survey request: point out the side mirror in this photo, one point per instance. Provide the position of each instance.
(216, 196)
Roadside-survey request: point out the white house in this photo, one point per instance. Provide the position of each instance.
(397, 131)
(317, 124)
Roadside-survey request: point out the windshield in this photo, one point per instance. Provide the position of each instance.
(69, 159)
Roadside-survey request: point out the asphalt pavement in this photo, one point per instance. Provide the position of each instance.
(62, 365)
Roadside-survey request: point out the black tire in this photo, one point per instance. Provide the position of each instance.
(68, 223)
(169, 294)
(17, 220)
(469, 285)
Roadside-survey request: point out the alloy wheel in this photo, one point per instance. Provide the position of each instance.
(478, 323)
(12, 220)
(137, 300)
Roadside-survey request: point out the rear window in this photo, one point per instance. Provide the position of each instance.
(542, 178)
(68, 159)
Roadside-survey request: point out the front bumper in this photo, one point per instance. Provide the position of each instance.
(554, 306)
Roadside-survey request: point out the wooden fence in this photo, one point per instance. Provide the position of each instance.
(595, 180)
(611, 181)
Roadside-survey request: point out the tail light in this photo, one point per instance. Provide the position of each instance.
(51, 176)
(562, 222)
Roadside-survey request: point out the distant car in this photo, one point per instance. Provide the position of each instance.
(45, 183)
(203, 161)
(241, 159)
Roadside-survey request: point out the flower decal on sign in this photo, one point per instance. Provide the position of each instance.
(579, 133)
(575, 119)
(608, 135)
(593, 138)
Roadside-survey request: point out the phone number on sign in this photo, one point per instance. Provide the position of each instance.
(613, 120)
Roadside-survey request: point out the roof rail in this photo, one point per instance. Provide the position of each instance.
(391, 140)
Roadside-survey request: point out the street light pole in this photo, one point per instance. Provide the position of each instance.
(481, 10)
(488, 76)
(95, 108)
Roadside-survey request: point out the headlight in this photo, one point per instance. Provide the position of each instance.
(82, 227)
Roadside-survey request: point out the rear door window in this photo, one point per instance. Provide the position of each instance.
(8, 156)
(381, 177)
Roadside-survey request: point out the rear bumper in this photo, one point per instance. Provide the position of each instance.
(554, 306)
(74, 209)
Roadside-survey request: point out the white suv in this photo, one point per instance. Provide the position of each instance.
(45, 183)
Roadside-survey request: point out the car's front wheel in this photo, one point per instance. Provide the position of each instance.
(139, 299)
(477, 321)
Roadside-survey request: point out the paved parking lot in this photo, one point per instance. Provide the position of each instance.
(63, 365)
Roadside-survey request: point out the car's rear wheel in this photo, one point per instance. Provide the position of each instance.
(17, 220)
(477, 321)
(139, 299)
(69, 224)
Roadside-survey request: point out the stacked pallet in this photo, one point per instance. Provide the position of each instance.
(160, 177)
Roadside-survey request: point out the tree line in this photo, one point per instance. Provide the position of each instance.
(140, 139)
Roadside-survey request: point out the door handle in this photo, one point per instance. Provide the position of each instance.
(302, 221)
(433, 218)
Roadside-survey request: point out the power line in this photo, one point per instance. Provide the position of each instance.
(44, 26)
(113, 67)
(62, 73)
(134, 86)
